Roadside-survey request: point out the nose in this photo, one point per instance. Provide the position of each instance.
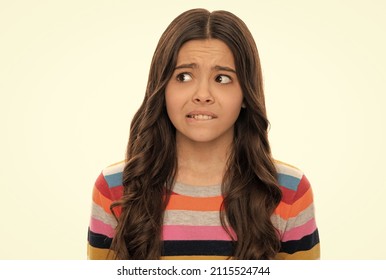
(203, 94)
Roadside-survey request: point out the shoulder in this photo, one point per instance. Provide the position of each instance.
(294, 217)
(109, 181)
(113, 174)
(289, 176)
(292, 181)
(107, 189)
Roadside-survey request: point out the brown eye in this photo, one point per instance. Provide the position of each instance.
(184, 77)
(223, 79)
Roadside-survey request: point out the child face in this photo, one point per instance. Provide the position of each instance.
(203, 96)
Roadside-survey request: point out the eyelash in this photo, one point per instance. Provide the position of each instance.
(180, 75)
(222, 75)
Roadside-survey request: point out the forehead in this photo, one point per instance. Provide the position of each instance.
(210, 50)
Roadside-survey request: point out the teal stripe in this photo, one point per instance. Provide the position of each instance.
(114, 180)
(288, 181)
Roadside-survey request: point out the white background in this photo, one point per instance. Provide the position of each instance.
(73, 73)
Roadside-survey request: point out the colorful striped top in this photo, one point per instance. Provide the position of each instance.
(192, 228)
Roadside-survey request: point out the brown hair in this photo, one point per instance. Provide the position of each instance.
(250, 187)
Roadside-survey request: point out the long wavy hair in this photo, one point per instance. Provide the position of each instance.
(250, 188)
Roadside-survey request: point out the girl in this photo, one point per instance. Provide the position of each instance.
(199, 181)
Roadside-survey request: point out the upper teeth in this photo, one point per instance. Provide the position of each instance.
(200, 117)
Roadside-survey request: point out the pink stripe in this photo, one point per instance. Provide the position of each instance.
(100, 227)
(194, 233)
(300, 231)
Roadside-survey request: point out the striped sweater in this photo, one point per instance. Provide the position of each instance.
(192, 228)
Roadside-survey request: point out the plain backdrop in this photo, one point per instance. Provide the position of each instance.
(73, 73)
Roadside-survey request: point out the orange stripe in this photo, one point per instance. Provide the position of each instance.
(194, 203)
(287, 211)
(101, 200)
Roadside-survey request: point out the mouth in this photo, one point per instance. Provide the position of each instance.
(200, 116)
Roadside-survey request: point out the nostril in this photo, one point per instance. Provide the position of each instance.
(203, 100)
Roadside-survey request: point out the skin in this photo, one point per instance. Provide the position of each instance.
(203, 101)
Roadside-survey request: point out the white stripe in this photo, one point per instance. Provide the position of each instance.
(114, 169)
(197, 191)
(304, 216)
(98, 213)
(192, 218)
(286, 169)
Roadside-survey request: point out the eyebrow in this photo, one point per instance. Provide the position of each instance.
(194, 65)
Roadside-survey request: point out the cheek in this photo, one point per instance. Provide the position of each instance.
(176, 96)
(233, 104)
(172, 104)
(169, 105)
(233, 112)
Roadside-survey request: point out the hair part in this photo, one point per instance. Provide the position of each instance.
(250, 189)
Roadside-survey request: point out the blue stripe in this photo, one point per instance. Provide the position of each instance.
(306, 243)
(197, 248)
(98, 240)
(288, 181)
(114, 180)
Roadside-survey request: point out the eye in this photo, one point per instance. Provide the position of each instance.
(223, 79)
(184, 77)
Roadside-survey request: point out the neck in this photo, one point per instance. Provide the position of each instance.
(201, 163)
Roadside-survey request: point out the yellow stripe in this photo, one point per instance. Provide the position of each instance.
(313, 254)
(99, 254)
(194, 258)
(105, 254)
